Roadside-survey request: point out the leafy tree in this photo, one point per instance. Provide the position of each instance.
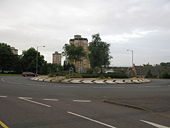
(99, 52)
(54, 68)
(7, 58)
(165, 64)
(16, 66)
(73, 53)
(149, 74)
(165, 75)
(67, 66)
(28, 60)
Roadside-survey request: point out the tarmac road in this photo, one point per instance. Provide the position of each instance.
(30, 104)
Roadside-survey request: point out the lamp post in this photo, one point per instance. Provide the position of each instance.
(37, 59)
(132, 55)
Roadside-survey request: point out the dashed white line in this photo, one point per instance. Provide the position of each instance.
(154, 124)
(87, 118)
(83, 101)
(26, 99)
(51, 99)
(3, 96)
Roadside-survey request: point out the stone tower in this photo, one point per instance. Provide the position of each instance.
(84, 64)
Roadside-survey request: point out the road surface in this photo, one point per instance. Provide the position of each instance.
(30, 104)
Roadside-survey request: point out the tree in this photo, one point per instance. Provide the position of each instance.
(165, 75)
(28, 60)
(67, 66)
(7, 58)
(16, 66)
(73, 53)
(99, 52)
(149, 74)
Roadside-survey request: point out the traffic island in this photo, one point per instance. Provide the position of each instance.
(90, 80)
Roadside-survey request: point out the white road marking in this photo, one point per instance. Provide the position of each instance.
(3, 96)
(154, 124)
(102, 87)
(84, 117)
(51, 99)
(26, 99)
(84, 101)
(150, 86)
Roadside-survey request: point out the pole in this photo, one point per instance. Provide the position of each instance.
(37, 59)
(37, 62)
(132, 59)
(132, 56)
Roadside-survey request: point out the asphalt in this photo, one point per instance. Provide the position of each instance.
(30, 104)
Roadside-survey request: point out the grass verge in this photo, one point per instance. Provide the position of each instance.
(10, 74)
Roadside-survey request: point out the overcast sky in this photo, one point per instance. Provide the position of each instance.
(141, 25)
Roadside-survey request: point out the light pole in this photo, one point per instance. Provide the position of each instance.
(132, 55)
(37, 59)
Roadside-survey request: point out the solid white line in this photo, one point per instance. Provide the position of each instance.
(84, 101)
(34, 102)
(150, 86)
(154, 124)
(51, 99)
(84, 117)
(3, 96)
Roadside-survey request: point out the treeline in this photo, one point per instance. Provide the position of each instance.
(12, 63)
(98, 55)
(161, 70)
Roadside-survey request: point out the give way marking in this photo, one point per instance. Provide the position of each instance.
(3, 96)
(83, 101)
(87, 118)
(35, 102)
(51, 99)
(154, 124)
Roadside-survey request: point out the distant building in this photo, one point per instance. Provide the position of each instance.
(84, 64)
(57, 58)
(14, 51)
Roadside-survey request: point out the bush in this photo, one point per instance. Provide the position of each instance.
(149, 74)
(165, 75)
(51, 75)
(63, 73)
(89, 71)
(90, 75)
(74, 75)
(116, 75)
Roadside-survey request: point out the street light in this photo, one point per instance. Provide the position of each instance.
(132, 55)
(37, 59)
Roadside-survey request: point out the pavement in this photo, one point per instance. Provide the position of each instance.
(34, 104)
(90, 80)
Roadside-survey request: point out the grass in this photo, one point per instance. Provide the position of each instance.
(10, 74)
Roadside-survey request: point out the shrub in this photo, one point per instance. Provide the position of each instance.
(63, 73)
(51, 75)
(90, 75)
(74, 75)
(116, 75)
(89, 71)
(165, 75)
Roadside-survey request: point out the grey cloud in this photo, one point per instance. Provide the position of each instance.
(54, 22)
